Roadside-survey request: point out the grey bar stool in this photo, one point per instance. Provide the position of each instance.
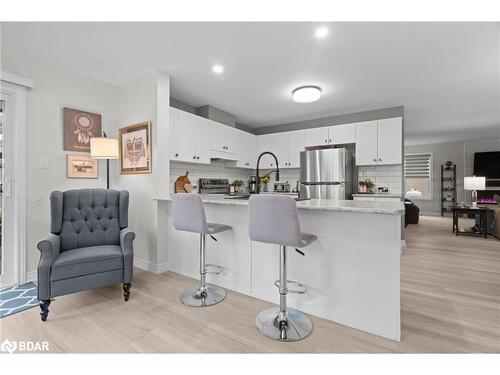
(274, 219)
(188, 214)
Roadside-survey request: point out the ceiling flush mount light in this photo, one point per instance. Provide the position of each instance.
(321, 32)
(218, 69)
(306, 94)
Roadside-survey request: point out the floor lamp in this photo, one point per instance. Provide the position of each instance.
(104, 148)
(474, 183)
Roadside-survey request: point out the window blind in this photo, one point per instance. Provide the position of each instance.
(418, 165)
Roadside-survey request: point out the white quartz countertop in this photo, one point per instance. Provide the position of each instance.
(376, 207)
(378, 195)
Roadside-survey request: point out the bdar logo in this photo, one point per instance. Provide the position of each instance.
(8, 346)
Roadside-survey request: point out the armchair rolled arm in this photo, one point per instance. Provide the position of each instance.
(49, 251)
(126, 239)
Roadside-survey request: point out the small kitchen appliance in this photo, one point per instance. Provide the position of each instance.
(214, 186)
(252, 185)
(281, 187)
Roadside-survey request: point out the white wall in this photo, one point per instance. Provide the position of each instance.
(145, 99)
(54, 88)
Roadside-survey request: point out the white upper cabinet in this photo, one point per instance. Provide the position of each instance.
(281, 141)
(342, 134)
(316, 137)
(266, 143)
(296, 144)
(286, 146)
(173, 135)
(379, 142)
(247, 150)
(222, 138)
(195, 139)
(191, 138)
(390, 139)
(366, 143)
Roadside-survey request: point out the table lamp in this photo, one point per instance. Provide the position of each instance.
(474, 183)
(104, 148)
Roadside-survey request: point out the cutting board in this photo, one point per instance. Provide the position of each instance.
(181, 182)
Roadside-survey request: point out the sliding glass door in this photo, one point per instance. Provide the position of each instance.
(7, 252)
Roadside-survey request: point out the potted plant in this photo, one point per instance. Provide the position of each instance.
(362, 187)
(369, 184)
(265, 180)
(238, 185)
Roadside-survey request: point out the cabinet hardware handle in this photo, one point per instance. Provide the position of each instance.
(326, 140)
(176, 155)
(379, 159)
(194, 157)
(197, 157)
(330, 140)
(375, 159)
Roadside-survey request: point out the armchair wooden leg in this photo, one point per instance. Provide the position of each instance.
(126, 291)
(44, 306)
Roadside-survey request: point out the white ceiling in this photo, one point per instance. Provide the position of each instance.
(447, 75)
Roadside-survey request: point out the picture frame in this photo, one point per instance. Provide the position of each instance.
(81, 166)
(78, 127)
(134, 143)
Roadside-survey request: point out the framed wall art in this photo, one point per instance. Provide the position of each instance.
(79, 127)
(81, 166)
(135, 148)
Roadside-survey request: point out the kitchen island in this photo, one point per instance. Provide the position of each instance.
(351, 271)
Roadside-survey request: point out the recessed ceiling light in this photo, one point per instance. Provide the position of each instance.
(306, 94)
(218, 69)
(321, 32)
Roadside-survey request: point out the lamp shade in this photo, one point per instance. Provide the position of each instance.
(474, 183)
(103, 148)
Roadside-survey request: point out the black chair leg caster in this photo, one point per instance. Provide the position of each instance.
(44, 306)
(126, 291)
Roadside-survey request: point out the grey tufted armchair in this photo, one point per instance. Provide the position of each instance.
(90, 246)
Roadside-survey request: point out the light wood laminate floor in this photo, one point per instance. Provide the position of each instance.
(450, 301)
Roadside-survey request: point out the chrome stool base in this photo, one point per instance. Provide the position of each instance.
(298, 326)
(212, 295)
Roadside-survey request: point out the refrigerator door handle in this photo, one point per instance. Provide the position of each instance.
(322, 183)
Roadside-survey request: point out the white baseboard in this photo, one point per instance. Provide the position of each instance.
(31, 277)
(148, 266)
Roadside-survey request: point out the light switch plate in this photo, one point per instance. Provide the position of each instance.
(44, 163)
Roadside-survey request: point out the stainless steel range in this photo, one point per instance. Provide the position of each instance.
(213, 186)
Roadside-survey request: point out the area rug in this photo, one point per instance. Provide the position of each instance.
(17, 298)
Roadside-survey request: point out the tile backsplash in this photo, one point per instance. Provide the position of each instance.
(383, 175)
(216, 169)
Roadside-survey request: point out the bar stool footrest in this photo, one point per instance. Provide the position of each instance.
(213, 269)
(293, 287)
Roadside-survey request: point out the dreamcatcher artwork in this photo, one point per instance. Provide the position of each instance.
(79, 127)
(135, 148)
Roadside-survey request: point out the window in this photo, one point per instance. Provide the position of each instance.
(418, 173)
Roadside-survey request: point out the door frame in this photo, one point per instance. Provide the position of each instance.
(15, 87)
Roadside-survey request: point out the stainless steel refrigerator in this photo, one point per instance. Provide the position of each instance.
(326, 174)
